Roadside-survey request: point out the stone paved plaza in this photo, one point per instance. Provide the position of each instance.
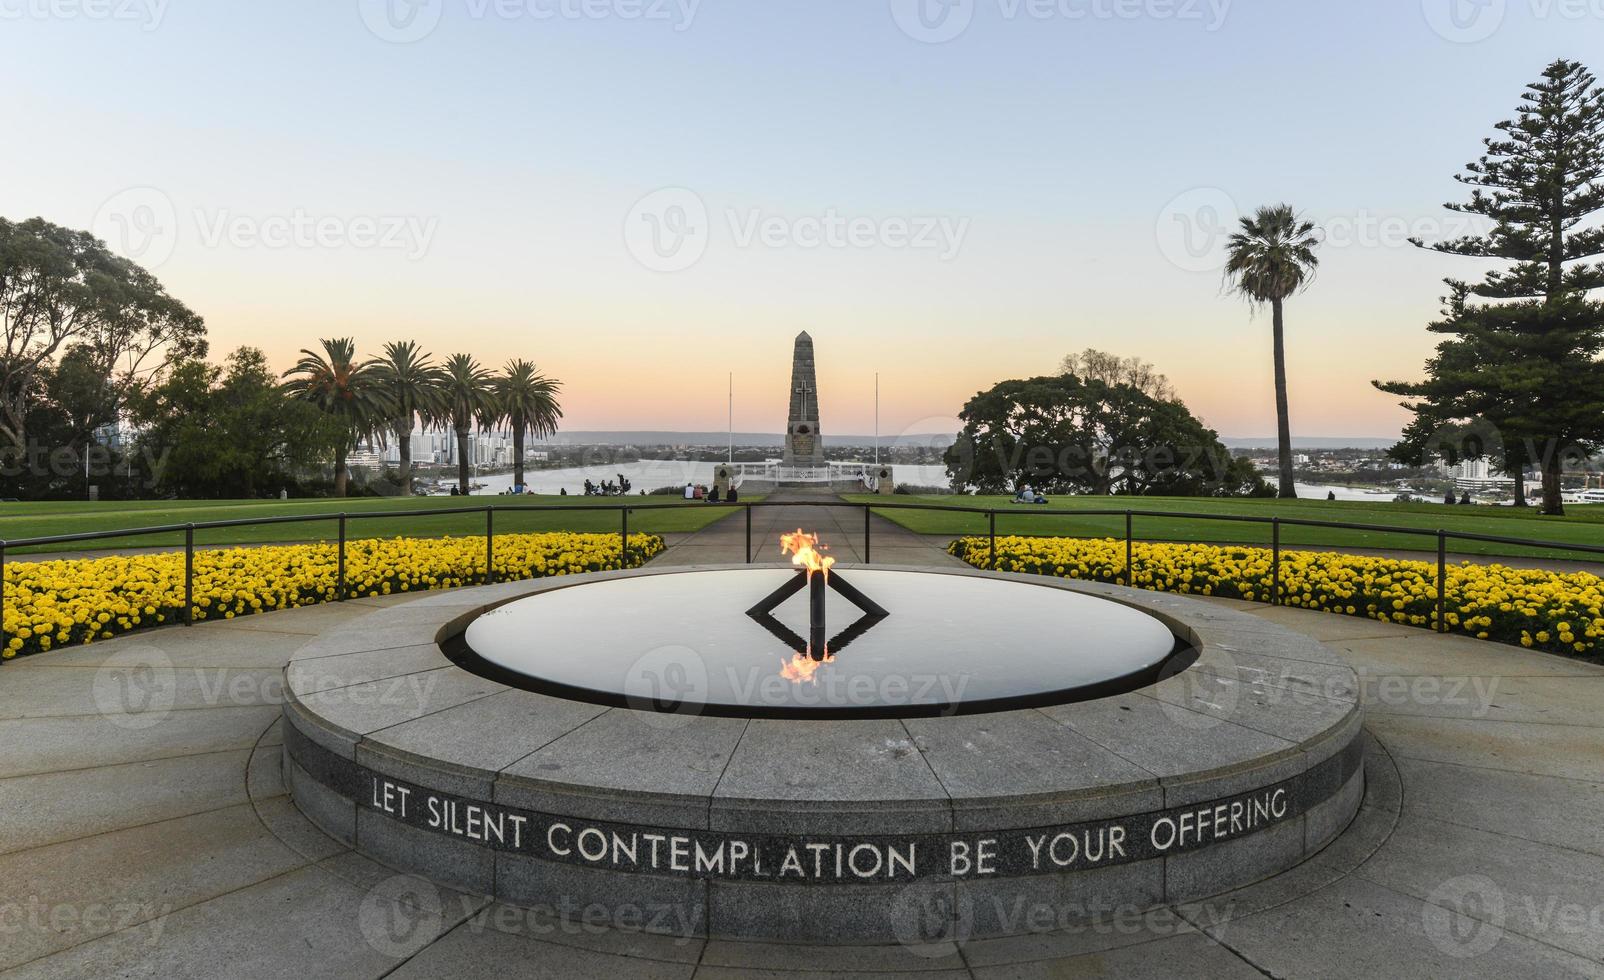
(163, 843)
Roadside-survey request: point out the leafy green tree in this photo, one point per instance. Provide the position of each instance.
(1537, 182)
(1270, 258)
(61, 288)
(527, 400)
(347, 390)
(229, 431)
(1063, 434)
(470, 402)
(413, 383)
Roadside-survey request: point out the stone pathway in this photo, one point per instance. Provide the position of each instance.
(145, 832)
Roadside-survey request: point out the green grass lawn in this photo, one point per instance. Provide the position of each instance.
(1581, 525)
(49, 518)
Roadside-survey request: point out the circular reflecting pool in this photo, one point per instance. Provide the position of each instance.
(913, 644)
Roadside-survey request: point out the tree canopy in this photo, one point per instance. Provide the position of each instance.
(63, 290)
(1065, 434)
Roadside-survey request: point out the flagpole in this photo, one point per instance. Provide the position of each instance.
(877, 419)
(732, 418)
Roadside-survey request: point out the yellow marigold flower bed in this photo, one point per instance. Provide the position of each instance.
(1554, 611)
(53, 604)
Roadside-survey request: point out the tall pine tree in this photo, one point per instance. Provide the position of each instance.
(1537, 334)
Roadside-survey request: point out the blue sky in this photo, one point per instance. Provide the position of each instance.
(500, 159)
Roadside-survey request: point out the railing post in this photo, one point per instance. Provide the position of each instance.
(623, 536)
(1130, 578)
(749, 534)
(189, 575)
(5, 638)
(339, 592)
(991, 517)
(868, 538)
(1442, 581)
(1275, 561)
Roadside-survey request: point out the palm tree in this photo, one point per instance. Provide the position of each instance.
(528, 401)
(348, 391)
(469, 397)
(1271, 258)
(412, 382)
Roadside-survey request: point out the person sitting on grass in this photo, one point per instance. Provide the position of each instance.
(712, 495)
(1028, 496)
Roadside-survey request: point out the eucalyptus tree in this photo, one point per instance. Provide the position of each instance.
(468, 394)
(1270, 258)
(349, 391)
(528, 402)
(414, 385)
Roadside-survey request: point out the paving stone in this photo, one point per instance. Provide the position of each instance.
(1562, 812)
(843, 777)
(549, 928)
(364, 708)
(635, 767)
(1564, 751)
(309, 676)
(993, 767)
(65, 894)
(1534, 700)
(1072, 938)
(1423, 653)
(303, 924)
(158, 692)
(209, 645)
(1197, 756)
(58, 744)
(1545, 893)
(372, 634)
(1296, 716)
(83, 802)
(743, 959)
(1319, 936)
(1161, 959)
(1039, 903)
(854, 914)
(465, 953)
(455, 737)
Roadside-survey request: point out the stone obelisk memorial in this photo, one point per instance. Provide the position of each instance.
(803, 446)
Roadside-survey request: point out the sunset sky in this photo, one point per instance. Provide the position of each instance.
(949, 199)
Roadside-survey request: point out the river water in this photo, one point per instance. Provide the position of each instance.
(649, 474)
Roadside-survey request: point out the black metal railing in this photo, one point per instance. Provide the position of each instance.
(1130, 517)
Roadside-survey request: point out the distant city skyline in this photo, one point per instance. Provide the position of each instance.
(645, 203)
